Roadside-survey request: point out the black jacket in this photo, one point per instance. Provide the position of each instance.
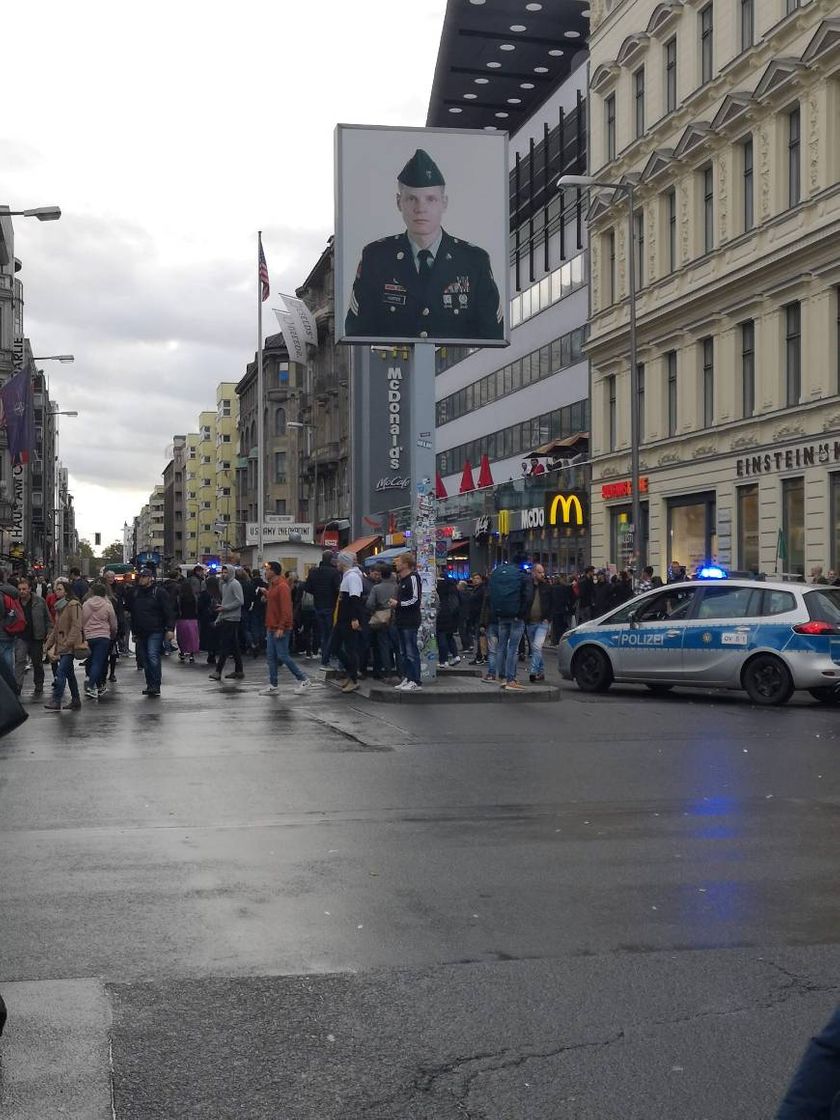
(409, 591)
(543, 592)
(816, 1083)
(457, 299)
(449, 606)
(323, 583)
(151, 610)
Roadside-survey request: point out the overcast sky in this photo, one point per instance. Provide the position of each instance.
(169, 133)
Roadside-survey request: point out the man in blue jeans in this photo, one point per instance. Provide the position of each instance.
(539, 620)
(511, 594)
(323, 583)
(152, 619)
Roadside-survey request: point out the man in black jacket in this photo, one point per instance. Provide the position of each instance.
(152, 618)
(323, 583)
(814, 1092)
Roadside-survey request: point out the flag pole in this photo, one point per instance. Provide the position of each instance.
(260, 412)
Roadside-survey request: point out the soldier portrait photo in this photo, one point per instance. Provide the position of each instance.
(423, 281)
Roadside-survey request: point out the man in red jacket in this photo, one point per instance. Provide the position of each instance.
(278, 628)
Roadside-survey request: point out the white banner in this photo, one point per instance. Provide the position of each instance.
(298, 327)
(303, 316)
(274, 533)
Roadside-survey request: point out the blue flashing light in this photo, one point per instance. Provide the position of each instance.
(711, 571)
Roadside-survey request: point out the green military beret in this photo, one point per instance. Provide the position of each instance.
(421, 171)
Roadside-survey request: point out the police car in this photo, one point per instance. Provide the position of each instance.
(768, 639)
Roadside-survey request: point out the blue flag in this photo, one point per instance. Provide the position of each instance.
(18, 416)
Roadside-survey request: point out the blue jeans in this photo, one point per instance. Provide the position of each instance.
(7, 652)
(149, 647)
(325, 627)
(409, 654)
(446, 646)
(277, 653)
(510, 635)
(98, 668)
(65, 673)
(537, 633)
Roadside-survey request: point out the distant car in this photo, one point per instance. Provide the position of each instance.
(768, 639)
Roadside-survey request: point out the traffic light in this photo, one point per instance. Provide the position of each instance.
(97, 538)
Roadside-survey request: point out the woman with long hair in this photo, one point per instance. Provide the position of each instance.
(61, 645)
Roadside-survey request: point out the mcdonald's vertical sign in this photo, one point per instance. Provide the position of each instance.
(566, 510)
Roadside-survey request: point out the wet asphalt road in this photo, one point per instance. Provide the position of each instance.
(620, 906)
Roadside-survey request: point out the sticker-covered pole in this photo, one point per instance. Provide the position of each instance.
(423, 521)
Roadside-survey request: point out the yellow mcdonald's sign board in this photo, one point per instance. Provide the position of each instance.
(504, 522)
(565, 510)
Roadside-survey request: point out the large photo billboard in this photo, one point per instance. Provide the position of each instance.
(421, 236)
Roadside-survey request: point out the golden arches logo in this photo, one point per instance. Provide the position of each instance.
(504, 522)
(566, 503)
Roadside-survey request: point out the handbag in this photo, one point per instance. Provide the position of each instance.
(82, 652)
(12, 712)
(381, 619)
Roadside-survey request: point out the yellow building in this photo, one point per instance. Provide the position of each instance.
(210, 498)
(724, 117)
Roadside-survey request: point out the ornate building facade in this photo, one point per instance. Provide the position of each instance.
(725, 117)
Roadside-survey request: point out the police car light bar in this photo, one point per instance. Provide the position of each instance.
(711, 571)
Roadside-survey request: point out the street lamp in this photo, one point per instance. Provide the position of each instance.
(55, 358)
(309, 429)
(58, 520)
(581, 181)
(42, 213)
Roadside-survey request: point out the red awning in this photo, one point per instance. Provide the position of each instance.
(440, 489)
(485, 476)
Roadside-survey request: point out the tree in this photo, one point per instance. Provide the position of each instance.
(85, 550)
(113, 554)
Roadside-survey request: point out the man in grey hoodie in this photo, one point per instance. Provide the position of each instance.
(227, 622)
(384, 640)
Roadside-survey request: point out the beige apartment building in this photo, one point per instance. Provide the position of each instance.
(725, 117)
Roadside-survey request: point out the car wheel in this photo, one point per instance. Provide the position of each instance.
(659, 688)
(592, 670)
(827, 695)
(767, 681)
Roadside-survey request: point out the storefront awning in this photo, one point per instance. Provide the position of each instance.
(362, 544)
(555, 445)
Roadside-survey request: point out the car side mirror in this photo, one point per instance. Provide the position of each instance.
(633, 619)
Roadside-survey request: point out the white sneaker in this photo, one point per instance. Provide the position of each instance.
(411, 686)
(303, 686)
(453, 661)
(269, 690)
(399, 687)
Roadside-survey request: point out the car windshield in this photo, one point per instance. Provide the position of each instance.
(824, 604)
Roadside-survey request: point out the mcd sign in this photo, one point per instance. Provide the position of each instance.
(565, 510)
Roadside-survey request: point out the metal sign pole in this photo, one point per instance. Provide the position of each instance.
(424, 500)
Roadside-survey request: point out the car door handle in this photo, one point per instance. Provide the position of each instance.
(672, 633)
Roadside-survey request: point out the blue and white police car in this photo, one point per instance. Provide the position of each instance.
(768, 639)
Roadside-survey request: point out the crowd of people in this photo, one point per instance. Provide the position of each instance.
(361, 621)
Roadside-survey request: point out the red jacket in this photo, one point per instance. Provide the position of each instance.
(278, 606)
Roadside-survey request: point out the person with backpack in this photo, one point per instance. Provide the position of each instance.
(13, 623)
(511, 594)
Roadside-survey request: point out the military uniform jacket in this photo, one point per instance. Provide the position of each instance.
(457, 298)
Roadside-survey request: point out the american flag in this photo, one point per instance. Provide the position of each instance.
(263, 273)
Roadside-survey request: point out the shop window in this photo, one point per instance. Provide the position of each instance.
(791, 546)
(692, 530)
(748, 560)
